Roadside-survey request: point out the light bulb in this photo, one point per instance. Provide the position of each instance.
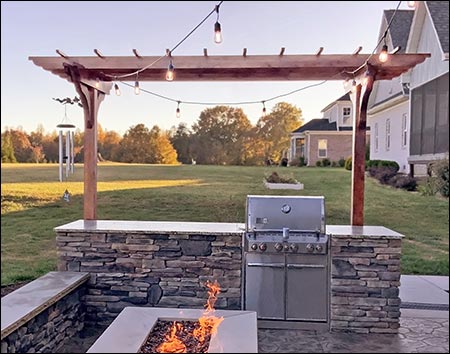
(137, 90)
(384, 56)
(264, 109)
(354, 86)
(170, 72)
(117, 89)
(411, 4)
(217, 33)
(97, 83)
(178, 113)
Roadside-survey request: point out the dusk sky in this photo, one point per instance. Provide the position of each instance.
(116, 27)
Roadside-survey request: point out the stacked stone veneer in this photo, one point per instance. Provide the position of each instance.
(151, 269)
(365, 284)
(49, 329)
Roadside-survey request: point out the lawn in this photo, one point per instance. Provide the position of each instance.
(32, 206)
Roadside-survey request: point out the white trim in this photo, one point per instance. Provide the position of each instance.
(427, 157)
(404, 130)
(376, 137)
(309, 150)
(390, 104)
(330, 132)
(388, 135)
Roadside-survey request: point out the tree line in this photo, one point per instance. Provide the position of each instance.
(222, 135)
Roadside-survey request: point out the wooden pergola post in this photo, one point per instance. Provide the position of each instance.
(360, 105)
(91, 98)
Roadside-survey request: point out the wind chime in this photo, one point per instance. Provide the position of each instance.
(66, 133)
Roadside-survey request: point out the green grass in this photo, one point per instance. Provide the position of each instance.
(32, 206)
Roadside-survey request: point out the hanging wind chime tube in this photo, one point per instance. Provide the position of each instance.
(66, 147)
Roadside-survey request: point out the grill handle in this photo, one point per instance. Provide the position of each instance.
(301, 266)
(266, 265)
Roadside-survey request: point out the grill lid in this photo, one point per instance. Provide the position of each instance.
(268, 212)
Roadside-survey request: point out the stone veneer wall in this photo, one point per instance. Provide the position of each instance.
(137, 268)
(365, 284)
(48, 331)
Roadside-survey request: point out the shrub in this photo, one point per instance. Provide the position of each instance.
(382, 163)
(298, 161)
(326, 162)
(404, 182)
(348, 164)
(334, 164)
(302, 161)
(384, 174)
(341, 162)
(274, 177)
(441, 170)
(318, 163)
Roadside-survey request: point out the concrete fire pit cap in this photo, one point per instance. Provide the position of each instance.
(237, 333)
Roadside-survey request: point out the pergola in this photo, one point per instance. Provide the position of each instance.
(364, 69)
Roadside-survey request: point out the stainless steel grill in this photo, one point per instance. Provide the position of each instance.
(286, 257)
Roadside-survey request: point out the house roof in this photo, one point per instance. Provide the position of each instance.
(439, 12)
(400, 27)
(320, 124)
(346, 97)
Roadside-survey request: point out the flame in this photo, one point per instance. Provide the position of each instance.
(172, 344)
(209, 323)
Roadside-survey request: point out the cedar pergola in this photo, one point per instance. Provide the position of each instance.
(365, 69)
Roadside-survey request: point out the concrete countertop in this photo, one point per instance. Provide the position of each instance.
(208, 228)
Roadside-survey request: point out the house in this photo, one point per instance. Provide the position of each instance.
(329, 137)
(409, 114)
(388, 112)
(429, 85)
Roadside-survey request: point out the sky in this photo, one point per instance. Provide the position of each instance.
(38, 28)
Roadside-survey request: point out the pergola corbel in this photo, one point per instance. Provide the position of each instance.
(364, 69)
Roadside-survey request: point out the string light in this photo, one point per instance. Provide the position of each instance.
(178, 114)
(354, 85)
(137, 90)
(217, 28)
(97, 83)
(411, 4)
(170, 72)
(264, 108)
(384, 55)
(117, 89)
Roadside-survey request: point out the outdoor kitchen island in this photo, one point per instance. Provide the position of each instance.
(165, 264)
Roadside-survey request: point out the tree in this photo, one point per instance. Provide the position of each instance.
(22, 145)
(219, 136)
(181, 140)
(7, 148)
(275, 128)
(135, 145)
(166, 153)
(109, 146)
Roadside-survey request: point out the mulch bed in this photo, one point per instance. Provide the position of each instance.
(6, 289)
(162, 329)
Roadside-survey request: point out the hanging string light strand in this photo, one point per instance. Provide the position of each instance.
(169, 52)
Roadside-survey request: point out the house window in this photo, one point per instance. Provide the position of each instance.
(376, 137)
(346, 113)
(322, 148)
(388, 134)
(404, 130)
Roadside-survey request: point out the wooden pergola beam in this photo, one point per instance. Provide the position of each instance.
(235, 68)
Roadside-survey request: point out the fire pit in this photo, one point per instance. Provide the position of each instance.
(237, 332)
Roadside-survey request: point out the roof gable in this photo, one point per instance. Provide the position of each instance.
(343, 98)
(439, 13)
(317, 125)
(400, 27)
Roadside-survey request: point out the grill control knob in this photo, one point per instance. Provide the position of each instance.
(262, 247)
(286, 247)
(254, 247)
(294, 247)
(278, 247)
(310, 247)
(319, 248)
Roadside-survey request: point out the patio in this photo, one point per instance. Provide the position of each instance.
(417, 335)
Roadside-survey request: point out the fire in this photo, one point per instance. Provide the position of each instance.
(209, 323)
(172, 344)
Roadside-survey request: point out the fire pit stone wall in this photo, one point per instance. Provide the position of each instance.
(162, 264)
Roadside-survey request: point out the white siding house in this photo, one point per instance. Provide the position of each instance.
(389, 104)
(429, 84)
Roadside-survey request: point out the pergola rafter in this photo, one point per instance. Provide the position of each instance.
(85, 72)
